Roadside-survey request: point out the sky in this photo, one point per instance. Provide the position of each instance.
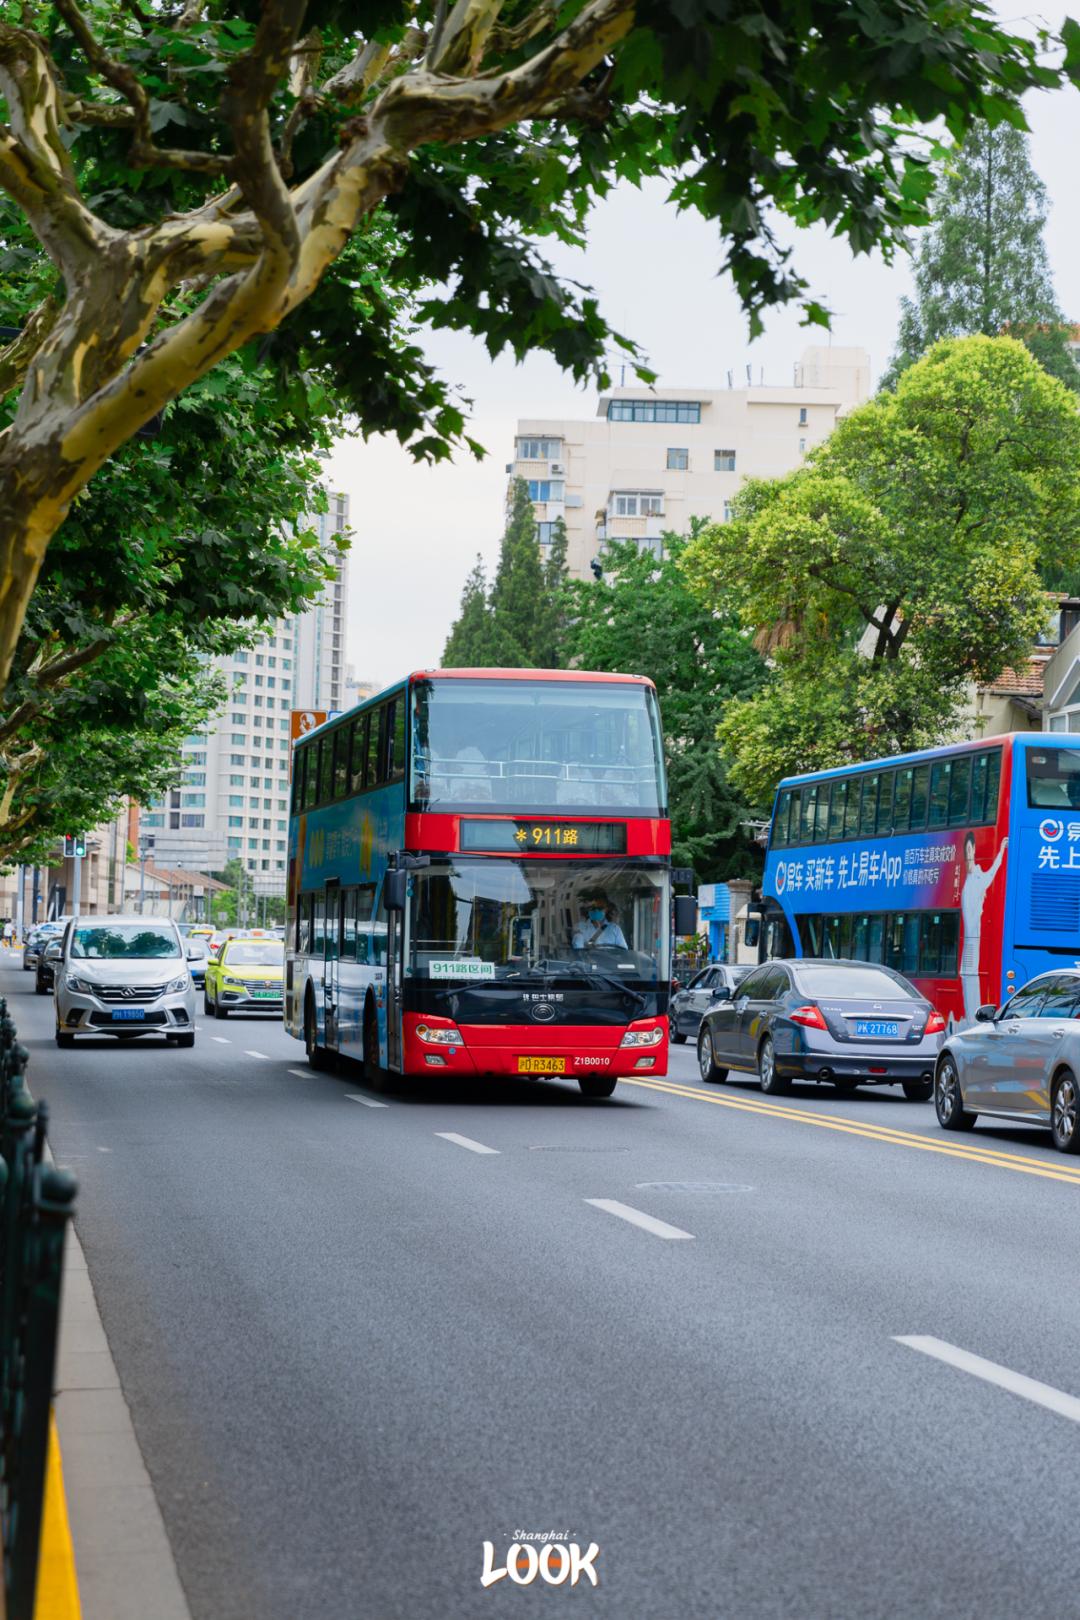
(417, 530)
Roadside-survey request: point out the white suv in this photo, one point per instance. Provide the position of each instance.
(123, 976)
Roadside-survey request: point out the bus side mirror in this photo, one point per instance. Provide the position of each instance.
(753, 932)
(395, 888)
(685, 915)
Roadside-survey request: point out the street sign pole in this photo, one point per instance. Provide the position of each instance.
(76, 884)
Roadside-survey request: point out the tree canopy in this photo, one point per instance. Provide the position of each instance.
(520, 622)
(182, 181)
(641, 618)
(982, 266)
(901, 563)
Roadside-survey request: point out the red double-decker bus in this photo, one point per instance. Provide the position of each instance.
(480, 879)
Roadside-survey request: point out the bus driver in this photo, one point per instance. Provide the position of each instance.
(599, 925)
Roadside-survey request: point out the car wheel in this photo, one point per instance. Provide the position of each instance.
(918, 1090)
(846, 1088)
(1065, 1113)
(597, 1085)
(319, 1057)
(708, 1068)
(771, 1083)
(206, 1004)
(183, 1040)
(949, 1099)
(40, 987)
(220, 1011)
(677, 1036)
(63, 1039)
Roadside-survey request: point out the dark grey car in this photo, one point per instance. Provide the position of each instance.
(846, 1023)
(688, 1005)
(1019, 1061)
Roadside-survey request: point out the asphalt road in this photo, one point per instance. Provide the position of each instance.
(356, 1349)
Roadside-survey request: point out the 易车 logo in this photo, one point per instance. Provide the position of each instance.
(556, 1562)
(1050, 830)
(781, 878)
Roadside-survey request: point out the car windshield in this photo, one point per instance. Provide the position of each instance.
(857, 983)
(113, 941)
(254, 954)
(537, 746)
(509, 920)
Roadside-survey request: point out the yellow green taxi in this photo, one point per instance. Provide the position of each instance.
(245, 974)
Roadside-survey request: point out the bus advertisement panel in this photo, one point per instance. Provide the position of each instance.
(959, 867)
(479, 879)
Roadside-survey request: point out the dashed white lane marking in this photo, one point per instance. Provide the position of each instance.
(354, 1096)
(303, 1074)
(465, 1142)
(638, 1217)
(1055, 1400)
(222, 1040)
(248, 1052)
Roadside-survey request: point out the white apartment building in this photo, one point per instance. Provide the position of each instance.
(233, 798)
(653, 458)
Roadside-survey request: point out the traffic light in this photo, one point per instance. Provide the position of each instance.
(74, 846)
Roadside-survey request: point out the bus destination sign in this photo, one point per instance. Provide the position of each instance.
(544, 837)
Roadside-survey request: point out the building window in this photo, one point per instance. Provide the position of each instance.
(239, 738)
(193, 798)
(728, 511)
(237, 799)
(259, 659)
(152, 820)
(802, 447)
(546, 489)
(238, 759)
(723, 461)
(545, 533)
(653, 410)
(234, 843)
(637, 503)
(192, 821)
(195, 759)
(236, 821)
(803, 418)
(259, 680)
(240, 658)
(678, 460)
(194, 778)
(539, 449)
(236, 781)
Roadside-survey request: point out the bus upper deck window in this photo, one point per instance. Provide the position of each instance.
(809, 814)
(837, 806)
(780, 820)
(940, 778)
(885, 803)
(868, 813)
(851, 809)
(920, 793)
(959, 791)
(902, 799)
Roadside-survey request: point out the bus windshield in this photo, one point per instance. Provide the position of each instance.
(537, 745)
(512, 920)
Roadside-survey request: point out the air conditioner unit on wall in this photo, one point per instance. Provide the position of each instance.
(557, 469)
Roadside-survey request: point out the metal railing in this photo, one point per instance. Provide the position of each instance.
(36, 1203)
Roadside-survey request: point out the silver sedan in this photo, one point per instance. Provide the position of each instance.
(1020, 1061)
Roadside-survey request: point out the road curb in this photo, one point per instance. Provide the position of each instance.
(57, 1596)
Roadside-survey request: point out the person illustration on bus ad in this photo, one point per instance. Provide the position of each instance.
(976, 882)
(599, 925)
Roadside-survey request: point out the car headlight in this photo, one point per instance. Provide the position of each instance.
(439, 1037)
(642, 1037)
(81, 987)
(175, 986)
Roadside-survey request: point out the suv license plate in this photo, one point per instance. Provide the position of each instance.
(878, 1027)
(541, 1065)
(128, 1015)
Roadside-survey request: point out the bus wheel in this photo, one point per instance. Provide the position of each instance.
(318, 1056)
(376, 1078)
(597, 1085)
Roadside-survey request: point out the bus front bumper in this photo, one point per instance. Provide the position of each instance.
(567, 1051)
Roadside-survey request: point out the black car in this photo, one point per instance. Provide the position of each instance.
(688, 1005)
(845, 1023)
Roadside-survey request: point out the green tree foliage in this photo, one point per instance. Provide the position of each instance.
(183, 180)
(900, 564)
(520, 623)
(983, 266)
(642, 618)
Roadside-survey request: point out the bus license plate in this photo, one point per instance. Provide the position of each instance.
(541, 1065)
(880, 1028)
(128, 1015)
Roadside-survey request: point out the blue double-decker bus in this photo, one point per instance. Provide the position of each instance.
(958, 866)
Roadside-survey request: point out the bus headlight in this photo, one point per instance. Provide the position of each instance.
(438, 1037)
(642, 1037)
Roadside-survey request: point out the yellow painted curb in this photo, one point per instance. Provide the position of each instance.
(57, 1588)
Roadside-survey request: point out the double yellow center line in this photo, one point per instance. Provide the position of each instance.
(952, 1148)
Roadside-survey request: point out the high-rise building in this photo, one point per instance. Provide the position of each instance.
(653, 458)
(233, 798)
